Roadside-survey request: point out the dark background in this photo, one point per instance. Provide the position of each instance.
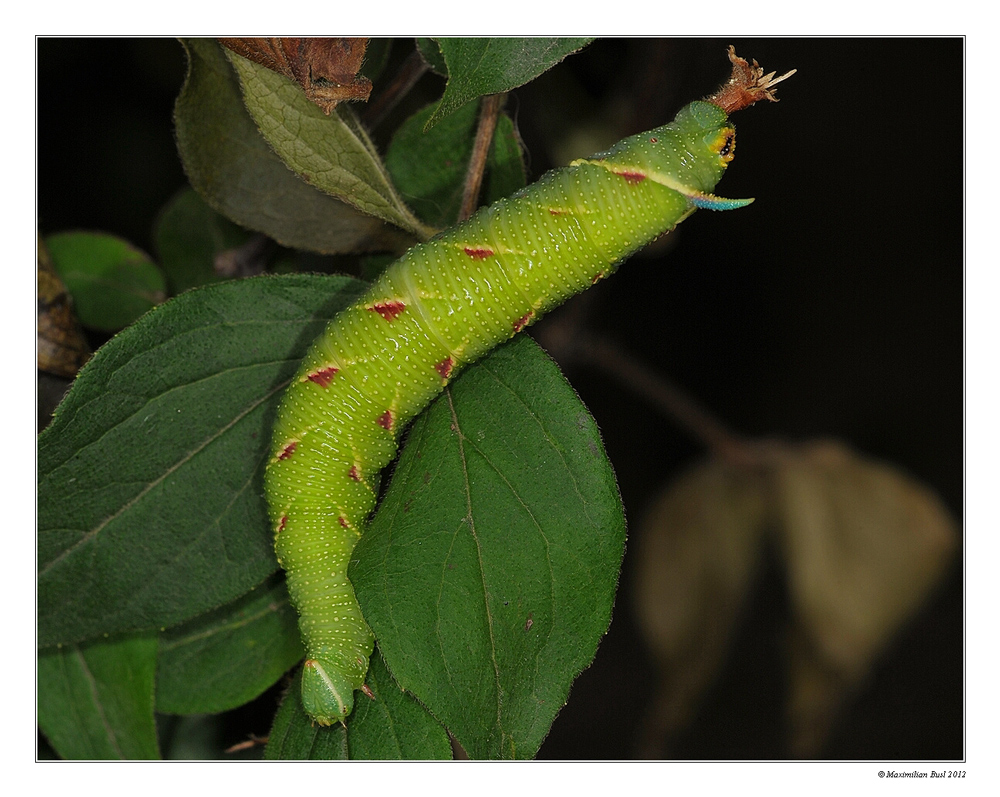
(831, 307)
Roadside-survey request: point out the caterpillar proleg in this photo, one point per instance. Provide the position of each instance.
(443, 305)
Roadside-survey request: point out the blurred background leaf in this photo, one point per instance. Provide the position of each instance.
(697, 556)
(112, 283)
(863, 546)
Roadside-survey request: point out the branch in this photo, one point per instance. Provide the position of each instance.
(488, 115)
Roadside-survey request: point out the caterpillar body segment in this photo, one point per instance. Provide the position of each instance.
(441, 306)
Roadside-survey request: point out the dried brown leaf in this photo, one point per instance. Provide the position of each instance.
(62, 348)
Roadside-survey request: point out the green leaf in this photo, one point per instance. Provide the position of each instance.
(489, 572)
(431, 53)
(376, 58)
(112, 283)
(479, 66)
(332, 153)
(150, 495)
(226, 658)
(506, 163)
(392, 726)
(95, 701)
(430, 167)
(196, 738)
(189, 234)
(231, 165)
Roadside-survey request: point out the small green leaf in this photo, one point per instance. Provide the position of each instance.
(231, 165)
(479, 66)
(506, 163)
(392, 726)
(431, 53)
(112, 283)
(189, 234)
(430, 167)
(332, 153)
(226, 658)
(376, 58)
(95, 701)
(150, 495)
(489, 572)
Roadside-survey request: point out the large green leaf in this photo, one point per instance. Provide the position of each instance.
(95, 701)
(479, 66)
(231, 165)
(112, 283)
(150, 506)
(332, 153)
(226, 658)
(392, 726)
(489, 573)
(429, 167)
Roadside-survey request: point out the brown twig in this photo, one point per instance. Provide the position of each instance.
(668, 398)
(567, 342)
(253, 741)
(489, 113)
(410, 71)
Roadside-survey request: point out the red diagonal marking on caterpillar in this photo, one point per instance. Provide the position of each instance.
(288, 450)
(388, 310)
(354, 473)
(323, 376)
(282, 524)
(558, 211)
(386, 421)
(522, 322)
(597, 277)
(444, 367)
(478, 252)
(345, 523)
(631, 177)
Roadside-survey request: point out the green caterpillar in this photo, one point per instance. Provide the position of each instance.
(441, 306)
